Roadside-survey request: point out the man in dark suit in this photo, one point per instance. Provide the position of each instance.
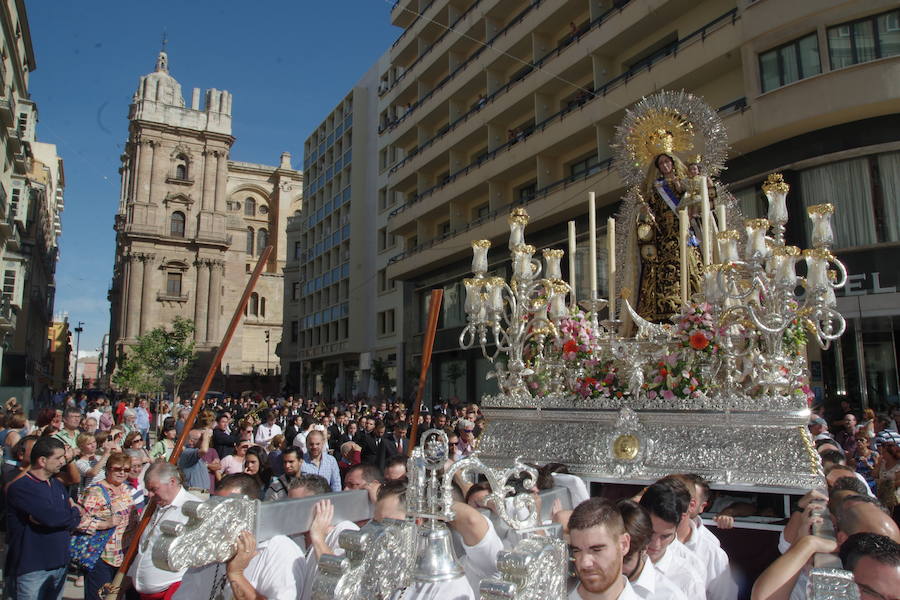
(336, 432)
(222, 440)
(369, 442)
(393, 445)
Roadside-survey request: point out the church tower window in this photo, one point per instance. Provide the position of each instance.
(176, 224)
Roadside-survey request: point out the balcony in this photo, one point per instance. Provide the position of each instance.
(8, 315)
(403, 13)
(8, 109)
(584, 33)
(698, 51)
(459, 69)
(167, 297)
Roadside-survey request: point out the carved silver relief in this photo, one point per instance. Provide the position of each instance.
(208, 536)
(832, 584)
(536, 569)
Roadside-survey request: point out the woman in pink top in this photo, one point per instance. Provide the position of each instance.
(235, 462)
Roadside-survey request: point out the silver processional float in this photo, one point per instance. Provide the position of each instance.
(698, 364)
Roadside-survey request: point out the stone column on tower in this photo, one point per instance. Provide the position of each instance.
(146, 291)
(133, 312)
(215, 300)
(221, 181)
(201, 300)
(145, 170)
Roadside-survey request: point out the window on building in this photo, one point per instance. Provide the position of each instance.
(253, 305)
(386, 322)
(867, 39)
(526, 192)
(481, 211)
(181, 167)
(173, 284)
(176, 224)
(9, 284)
(14, 197)
(295, 290)
(443, 229)
(249, 207)
(250, 239)
(262, 240)
(262, 306)
(22, 123)
(584, 167)
(295, 331)
(298, 250)
(791, 62)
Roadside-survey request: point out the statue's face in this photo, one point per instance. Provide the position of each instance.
(694, 170)
(664, 164)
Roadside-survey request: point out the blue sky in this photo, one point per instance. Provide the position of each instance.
(287, 63)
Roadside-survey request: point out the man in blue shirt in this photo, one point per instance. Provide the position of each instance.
(142, 420)
(191, 463)
(41, 518)
(318, 462)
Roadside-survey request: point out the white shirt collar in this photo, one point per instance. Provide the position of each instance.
(647, 579)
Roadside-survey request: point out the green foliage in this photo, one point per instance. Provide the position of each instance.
(159, 355)
(380, 374)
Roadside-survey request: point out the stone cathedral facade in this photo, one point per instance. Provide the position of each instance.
(190, 228)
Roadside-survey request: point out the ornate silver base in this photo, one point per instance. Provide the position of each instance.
(736, 448)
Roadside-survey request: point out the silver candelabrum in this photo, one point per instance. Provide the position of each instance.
(760, 297)
(509, 316)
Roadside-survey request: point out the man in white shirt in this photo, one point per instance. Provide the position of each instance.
(267, 430)
(648, 582)
(324, 539)
(162, 481)
(671, 557)
(480, 547)
(598, 544)
(274, 569)
(719, 583)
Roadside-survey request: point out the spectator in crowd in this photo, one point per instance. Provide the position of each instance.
(164, 446)
(466, 431)
(107, 504)
(280, 485)
(129, 421)
(90, 425)
(393, 445)
(318, 462)
(41, 517)
(142, 419)
(163, 482)
(267, 430)
(276, 447)
(254, 461)
(135, 480)
(294, 427)
(234, 461)
(191, 461)
(106, 420)
(223, 441)
(90, 464)
(846, 436)
(305, 485)
(71, 427)
(135, 441)
(351, 454)
(363, 477)
(598, 544)
(666, 504)
(15, 430)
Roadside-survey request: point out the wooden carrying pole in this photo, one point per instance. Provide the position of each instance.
(116, 586)
(434, 308)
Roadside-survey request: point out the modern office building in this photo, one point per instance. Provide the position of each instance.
(486, 105)
(344, 327)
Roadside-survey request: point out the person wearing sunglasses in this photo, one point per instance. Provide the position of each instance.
(234, 463)
(107, 505)
(466, 444)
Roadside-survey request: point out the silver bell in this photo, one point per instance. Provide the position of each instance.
(437, 560)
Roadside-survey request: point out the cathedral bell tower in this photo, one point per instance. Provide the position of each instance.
(171, 239)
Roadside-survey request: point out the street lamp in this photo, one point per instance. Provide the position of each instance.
(268, 351)
(78, 331)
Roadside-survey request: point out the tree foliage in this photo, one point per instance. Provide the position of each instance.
(161, 355)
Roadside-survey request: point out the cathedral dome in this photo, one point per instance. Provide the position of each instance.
(159, 86)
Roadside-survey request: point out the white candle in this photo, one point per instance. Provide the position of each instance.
(611, 262)
(682, 242)
(572, 259)
(592, 236)
(705, 223)
(721, 217)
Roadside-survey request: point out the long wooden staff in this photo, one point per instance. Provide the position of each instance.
(116, 585)
(434, 308)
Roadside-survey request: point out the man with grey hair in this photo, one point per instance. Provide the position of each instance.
(317, 461)
(163, 482)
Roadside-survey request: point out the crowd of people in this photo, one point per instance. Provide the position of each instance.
(76, 481)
